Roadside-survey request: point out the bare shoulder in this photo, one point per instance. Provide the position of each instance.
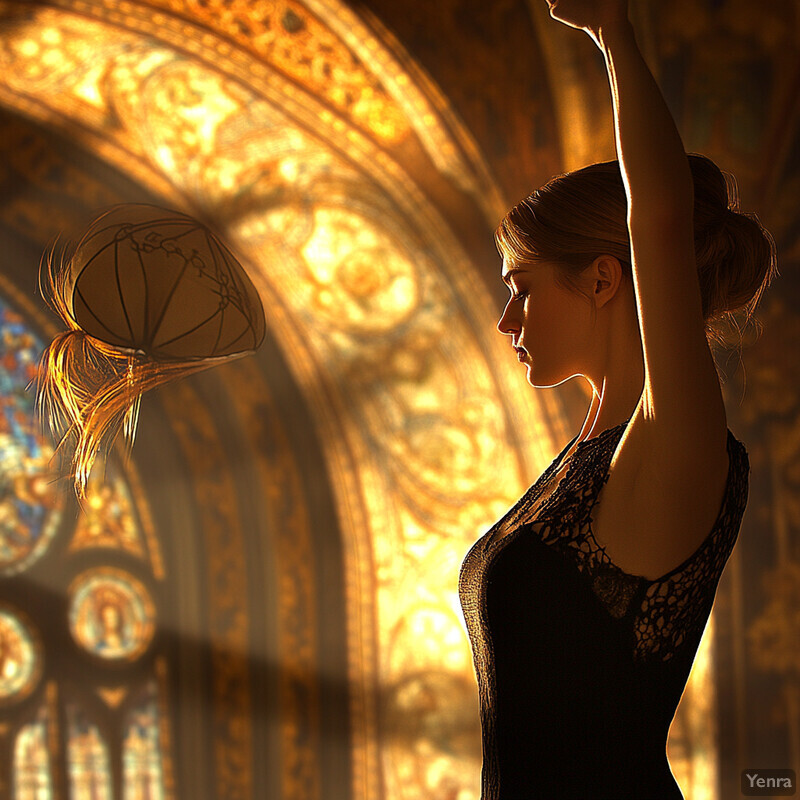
(665, 489)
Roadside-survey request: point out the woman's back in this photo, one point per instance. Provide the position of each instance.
(581, 665)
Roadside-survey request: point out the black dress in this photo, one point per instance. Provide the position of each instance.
(580, 665)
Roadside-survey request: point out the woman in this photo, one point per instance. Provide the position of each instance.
(586, 603)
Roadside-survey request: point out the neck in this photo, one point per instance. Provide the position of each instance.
(616, 389)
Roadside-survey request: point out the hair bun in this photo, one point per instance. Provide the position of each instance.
(735, 254)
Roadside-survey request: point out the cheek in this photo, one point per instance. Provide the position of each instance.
(560, 325)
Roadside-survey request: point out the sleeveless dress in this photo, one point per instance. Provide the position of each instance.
(581, 665)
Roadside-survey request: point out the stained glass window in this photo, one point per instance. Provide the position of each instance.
(20, 657)
(108, 518)
(142, 767)
(111, 613)
(32, 770)
(29, 505)
(87, 758)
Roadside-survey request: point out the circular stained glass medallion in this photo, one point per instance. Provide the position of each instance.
(20, 657)
(111, 614)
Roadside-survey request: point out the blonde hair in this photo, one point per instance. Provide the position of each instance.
(583, 214)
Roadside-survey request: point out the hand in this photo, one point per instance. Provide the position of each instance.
(589, 15)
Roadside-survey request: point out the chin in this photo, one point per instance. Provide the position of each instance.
(539, 381)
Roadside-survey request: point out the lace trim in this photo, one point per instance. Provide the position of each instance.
(675, 607)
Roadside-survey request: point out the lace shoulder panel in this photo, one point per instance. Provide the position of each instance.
(675, 607)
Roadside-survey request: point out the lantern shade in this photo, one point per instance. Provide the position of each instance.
(159, 282)
(148, 296)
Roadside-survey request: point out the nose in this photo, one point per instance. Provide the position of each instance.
(508, 324)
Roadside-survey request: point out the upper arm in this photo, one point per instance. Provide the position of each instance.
(675, 474)
(682, 397)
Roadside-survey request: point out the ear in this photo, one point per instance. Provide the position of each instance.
(604, 276)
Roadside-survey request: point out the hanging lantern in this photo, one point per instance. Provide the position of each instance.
(149, 296)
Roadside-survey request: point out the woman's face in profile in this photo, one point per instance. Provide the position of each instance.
(551, 325)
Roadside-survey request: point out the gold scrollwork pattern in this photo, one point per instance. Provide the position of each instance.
(283, 33)
(287, 35)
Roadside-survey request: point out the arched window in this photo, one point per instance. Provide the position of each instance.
(82, 671)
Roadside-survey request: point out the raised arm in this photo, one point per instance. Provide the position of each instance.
(682, 398)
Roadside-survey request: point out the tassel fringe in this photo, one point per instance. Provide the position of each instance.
(89, 391)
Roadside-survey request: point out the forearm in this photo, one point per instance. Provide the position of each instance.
(654, 165)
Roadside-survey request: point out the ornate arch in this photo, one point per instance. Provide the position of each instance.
(371, 299)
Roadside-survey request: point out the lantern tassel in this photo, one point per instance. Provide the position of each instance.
(131, 418)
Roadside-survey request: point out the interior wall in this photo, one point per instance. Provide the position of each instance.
(516, 106)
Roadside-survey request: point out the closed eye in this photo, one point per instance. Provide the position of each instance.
(519, 296)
